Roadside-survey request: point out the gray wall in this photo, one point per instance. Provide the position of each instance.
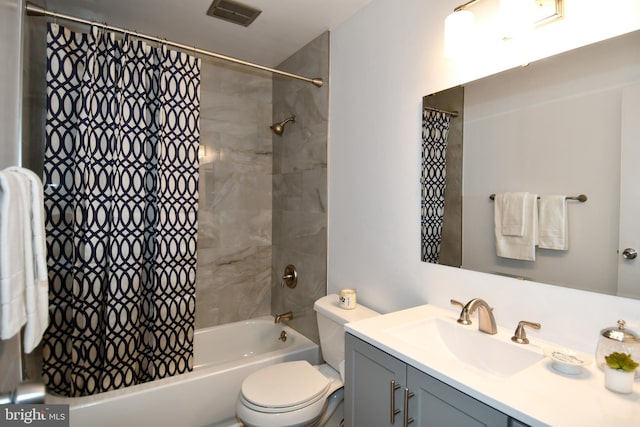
(11, 21)
(563, 115)
(300, 185)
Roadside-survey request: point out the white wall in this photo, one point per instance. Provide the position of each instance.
(383, 60)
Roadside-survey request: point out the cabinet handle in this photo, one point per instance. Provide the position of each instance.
(407, 395)
(393, 411)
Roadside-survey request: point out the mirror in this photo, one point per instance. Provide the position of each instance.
(552, 127)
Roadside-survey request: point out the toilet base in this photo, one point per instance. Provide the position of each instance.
(337, 418)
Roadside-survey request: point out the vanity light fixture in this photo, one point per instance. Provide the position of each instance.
(458, 29)
(516, 17)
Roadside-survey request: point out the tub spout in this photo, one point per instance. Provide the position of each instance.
(284, 316)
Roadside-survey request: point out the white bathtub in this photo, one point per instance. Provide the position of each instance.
(223, 356)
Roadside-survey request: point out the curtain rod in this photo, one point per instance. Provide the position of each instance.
(35, 10)
(451, 113)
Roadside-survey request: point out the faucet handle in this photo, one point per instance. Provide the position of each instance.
(520, 336)
(290, 277)
(456, 302)
(464, 314)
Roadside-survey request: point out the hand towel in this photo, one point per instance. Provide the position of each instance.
(37, 280)
(553, 222)
(12, 275)
(518, 247)
(513, 214)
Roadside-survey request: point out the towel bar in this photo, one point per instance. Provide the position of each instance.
(581, 197)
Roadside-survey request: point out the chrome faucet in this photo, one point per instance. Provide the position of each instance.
(284, 316)
(487, 323)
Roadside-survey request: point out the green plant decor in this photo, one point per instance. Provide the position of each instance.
(621, 362)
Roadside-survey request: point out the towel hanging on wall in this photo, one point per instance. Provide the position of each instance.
(13, 313)
(553, 230)
(513, 218)
(23, 266)
(35, 258)
(517, 247)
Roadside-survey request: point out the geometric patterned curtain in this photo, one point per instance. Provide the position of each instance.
(435, 132)
(121, 200)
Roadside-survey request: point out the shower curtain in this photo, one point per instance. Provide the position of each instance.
(121, 198)
(435, 131)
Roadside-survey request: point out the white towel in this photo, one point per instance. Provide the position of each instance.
(518, 247)
(12, 275)
(513, 215)
(553, 223)
(37, 281)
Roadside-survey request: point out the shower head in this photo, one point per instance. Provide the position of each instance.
(278, 128)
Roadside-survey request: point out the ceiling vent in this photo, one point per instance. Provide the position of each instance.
(233, 11)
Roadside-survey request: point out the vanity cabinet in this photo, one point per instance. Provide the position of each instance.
(381, 390)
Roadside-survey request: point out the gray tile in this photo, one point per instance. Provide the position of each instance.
(300, 187)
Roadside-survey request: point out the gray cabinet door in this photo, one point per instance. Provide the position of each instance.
(436, 404)
(370, 400)
(369, 373)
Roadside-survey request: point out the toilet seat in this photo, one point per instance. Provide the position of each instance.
(278, 404)
(284, 387)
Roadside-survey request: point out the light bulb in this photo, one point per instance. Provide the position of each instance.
(458, 33)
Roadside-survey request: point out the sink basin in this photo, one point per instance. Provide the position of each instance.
(490, 353)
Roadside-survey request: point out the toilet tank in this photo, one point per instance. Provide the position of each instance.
(331, 320)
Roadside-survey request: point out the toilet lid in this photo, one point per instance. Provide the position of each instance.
(284, 385)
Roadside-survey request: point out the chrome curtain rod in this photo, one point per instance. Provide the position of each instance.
(35, 10)
(581, 198)
(451, 113)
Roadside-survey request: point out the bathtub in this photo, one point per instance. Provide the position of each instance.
(223, 356)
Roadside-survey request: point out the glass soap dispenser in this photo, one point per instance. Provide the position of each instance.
(618, 339)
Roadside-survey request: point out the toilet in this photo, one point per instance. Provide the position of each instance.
(292, 394)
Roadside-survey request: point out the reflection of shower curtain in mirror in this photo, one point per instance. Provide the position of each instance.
(435, 130)
(121, 199)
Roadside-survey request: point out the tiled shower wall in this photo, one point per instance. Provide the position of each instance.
(234, 215)
(300, 185)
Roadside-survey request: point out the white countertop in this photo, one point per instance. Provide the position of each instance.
(538, 395)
